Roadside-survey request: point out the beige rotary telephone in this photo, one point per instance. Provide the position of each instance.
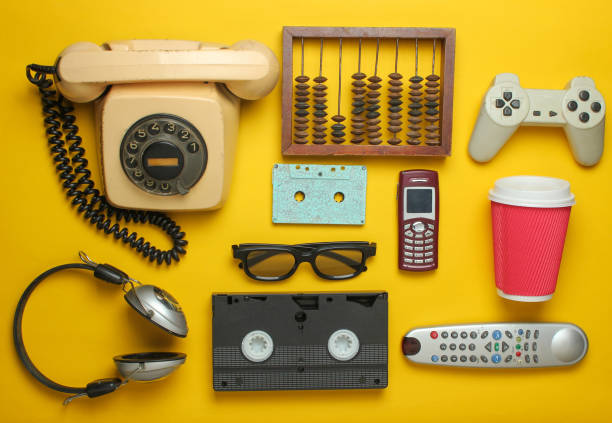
(167, 120)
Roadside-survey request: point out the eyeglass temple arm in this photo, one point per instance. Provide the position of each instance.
(346, 260)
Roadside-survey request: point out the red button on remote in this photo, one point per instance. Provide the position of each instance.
(518, 353)
(433, 334)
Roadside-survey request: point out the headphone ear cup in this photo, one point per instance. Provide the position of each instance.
(148, 366)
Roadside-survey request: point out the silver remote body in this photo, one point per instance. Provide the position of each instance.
(497, 345)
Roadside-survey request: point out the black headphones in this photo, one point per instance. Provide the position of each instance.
(152, 302)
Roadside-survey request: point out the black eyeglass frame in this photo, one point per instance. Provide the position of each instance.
(305, 253)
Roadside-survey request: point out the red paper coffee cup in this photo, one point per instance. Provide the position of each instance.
(530, 216)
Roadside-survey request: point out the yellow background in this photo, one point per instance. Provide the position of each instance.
(74, 324)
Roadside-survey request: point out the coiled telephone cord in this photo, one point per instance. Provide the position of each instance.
(80, 189)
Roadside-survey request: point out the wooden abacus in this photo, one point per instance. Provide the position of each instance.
(416, 121)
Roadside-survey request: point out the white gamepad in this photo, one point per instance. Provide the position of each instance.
(579, 108)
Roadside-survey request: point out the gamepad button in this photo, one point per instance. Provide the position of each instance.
(499, 103)
(507, 111)
(515, 104)
(507, 95)
(572, 106)
(583, 95)
(596, 107)
(584, 117)
(552, 114)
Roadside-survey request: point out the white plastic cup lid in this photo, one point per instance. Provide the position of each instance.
(532, 191)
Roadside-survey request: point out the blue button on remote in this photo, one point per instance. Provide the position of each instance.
(496, 358)
(520, 331)
(434, 358)
(497, 334)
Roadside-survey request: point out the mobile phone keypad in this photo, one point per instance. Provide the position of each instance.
(163, 154)
(418, 243)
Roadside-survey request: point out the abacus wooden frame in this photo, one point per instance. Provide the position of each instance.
(447, 74)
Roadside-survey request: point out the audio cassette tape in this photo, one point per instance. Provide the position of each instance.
(299, 341)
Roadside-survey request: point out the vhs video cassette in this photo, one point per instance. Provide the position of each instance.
(299, 341)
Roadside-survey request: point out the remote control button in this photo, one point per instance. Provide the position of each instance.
(520, 331)
(488, 346)
(454, 335)
(518, 353)
(583, 95)
(508, 358)
(584, 117)
(536, 334)
(552, 113)
(408, 247)
(496, 346)
(434, 358)
(452, 347)
(429, 241)
(505, 346)
(472, 347)
(484, 359)
(428, 247)
(484, 334)
(463, 359)
(418, 254)
(518, 339)
(444, 358)
(433, 334)
(527, 334)
(170, 128)
(507, 95)
(444, 334)
(418, 261)
(496, 358)
(507, 111)
(140, 135)
(418, 227)
(526, 346)
(596, 107)
(527, 358)
(509, 334)
(473, 335)
(473, 358)
(428, 254)
(464, 334)
(153, 128)
(454, 358)
(409, 261)
(499, 103)
(418, 248)
(517, 347)
(408, 254)
(430, 226)
(537, 113)
(428, 233)
(534, 346)
(497, 334)
(572, 106)
(535, 358)
(462, 347)
(418, 242)
(429, 260)
(443, 347)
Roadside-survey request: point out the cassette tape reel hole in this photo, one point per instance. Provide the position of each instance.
(343, 345)
(257, 346)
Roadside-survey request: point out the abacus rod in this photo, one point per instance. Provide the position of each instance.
(433, 60)
(359, 60)
(321, 59)
(396, 52)
(376, 62)
(302, 55)
(416, 56)
(339, 74)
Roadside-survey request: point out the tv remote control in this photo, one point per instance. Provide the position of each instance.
(505, 345)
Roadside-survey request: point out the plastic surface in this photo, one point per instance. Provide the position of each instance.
(532, 191)
(528, 246)
(506, 106)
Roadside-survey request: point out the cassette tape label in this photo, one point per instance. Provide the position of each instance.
(288, 342)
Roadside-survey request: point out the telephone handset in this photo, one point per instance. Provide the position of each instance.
(167, 120)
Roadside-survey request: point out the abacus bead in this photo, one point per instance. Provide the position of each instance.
(319, 128)
(415, 86)
(373, 94)
(432, 118)
(319, 94)
(433, 77)
(395, 95)
(431, 97)
(395, 129)
(374, 135)
(395, 109)
(431, 104)
(431, 84)
(414, 127)
(357, 110)
(395, 76)
(302, 113)
(432, 128)
(302, 78)
(358, 90)
(413, 134)
(372, 115)
(373, 107)
(358, 84)
(338, 127)
(358, 119)
(414, 120)
(319, 87)
(302, 86)
(319, 119)
(415, 112)
(395, 83)
(372, 122)
(395, 122)
(320, 106)
(301, 120)
(301, 127)
(432, 112)
(338, 134)
(320, 113)
(415, 105)
(300, 140)
(301, 93)
(375, 78)
(396, 89)
(358, 75)
(318, 141)
(338, 118)
(358, 132)
(319, 79)
(416, 99)
(302, 99)
(394, 116)
(375, 141)
(338, 140)
(415, 79)
(432, 90)
(374, 129)
(374, 86)
(301, 134)
(319, 135)
(394, 141)
(357, 140)
(413, 141)
(415, 93)
(301, 106)
(432, 136)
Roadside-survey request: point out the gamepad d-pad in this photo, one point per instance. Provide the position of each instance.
(579, 109)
